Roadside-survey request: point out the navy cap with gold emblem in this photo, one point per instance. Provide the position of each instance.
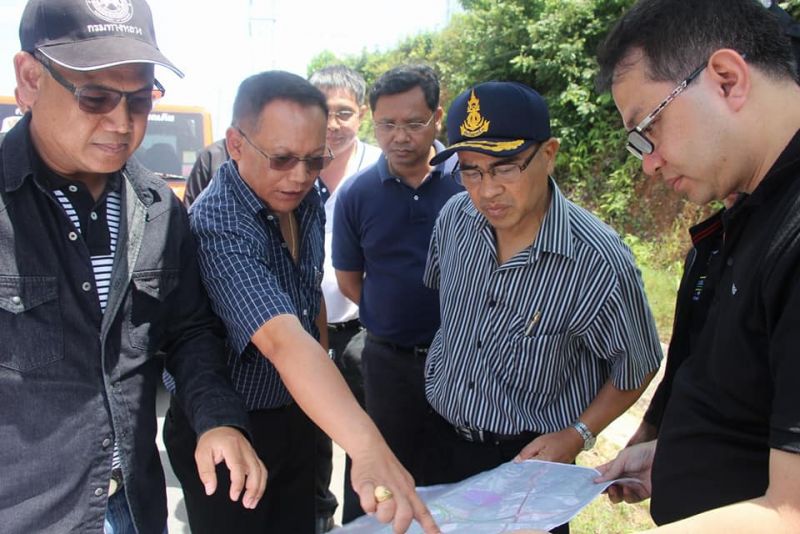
(496, 118)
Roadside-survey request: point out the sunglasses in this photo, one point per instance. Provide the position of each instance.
(97, 99)
(285, 163)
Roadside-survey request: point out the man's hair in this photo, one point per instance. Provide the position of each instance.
(404, 78)
(340, 77)
(260, 89)
(678, 36)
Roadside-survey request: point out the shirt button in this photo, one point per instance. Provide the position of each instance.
(270, 218)
(397, 180)
(86, 286)
(492, 304)
(324, 190)
(16, 300)
(73, 188)
(416, 197)
(730, 262)
(283, 244)
(305, 313)
(471, 385)
(72, 236)
(106, 443)
(479, 343)
(98, 491)
(93, 216)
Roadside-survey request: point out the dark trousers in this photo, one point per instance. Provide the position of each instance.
(449, 458)
(345, 346)
(284, 440)
(394, 391)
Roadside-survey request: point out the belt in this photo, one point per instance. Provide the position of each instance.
(476, 435)
(347, 325)
(416, 350)
(115, 483)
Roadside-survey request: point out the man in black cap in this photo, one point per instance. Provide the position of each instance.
(99, 289)
(546, 335)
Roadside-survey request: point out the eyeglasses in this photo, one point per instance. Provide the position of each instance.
(638, 143)
(504, 173)
(285, 163)
(389, 128)
(343, 115)
(97, 99)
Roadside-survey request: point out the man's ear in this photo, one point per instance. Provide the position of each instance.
(550, 149)
(731, 74)
(234, 140)
(362, 111)
(437, 118)
(29, 74)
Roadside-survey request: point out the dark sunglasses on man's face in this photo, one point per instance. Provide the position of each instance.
(98, 99)
(285, 163)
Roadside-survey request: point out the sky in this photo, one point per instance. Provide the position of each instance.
(217, 47)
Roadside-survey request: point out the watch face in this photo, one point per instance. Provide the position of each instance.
(589, 443)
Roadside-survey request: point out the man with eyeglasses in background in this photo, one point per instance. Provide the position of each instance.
(345, 93)
(546, 334)
(708, 92)
(260, 231)
(100, 290)
(382, 227)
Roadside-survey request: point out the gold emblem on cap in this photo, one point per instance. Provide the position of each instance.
(474, 125)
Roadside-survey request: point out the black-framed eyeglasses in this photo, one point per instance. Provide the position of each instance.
(389, 128)
(285, 163)
(342, 115)
(504, 173)
(98, 99)
(638, 143)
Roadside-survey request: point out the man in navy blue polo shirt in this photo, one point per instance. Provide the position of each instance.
(382, 227)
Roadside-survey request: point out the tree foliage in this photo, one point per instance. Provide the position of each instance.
(549, 45)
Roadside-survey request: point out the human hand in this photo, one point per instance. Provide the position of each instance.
(645, 432)
(562, 446)
(227, 444)
(631, 462)
(376, 467)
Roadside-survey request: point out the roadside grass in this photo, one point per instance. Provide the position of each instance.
(661, 286)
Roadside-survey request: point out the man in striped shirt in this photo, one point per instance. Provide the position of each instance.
(546, 334)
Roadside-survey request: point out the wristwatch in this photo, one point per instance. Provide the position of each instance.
(589, 439)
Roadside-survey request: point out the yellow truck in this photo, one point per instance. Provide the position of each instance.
(175, 134)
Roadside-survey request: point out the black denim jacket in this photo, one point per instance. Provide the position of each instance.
(70, 375)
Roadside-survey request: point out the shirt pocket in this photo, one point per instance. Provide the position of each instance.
(534, 359)
(148, 304)
(31, 331)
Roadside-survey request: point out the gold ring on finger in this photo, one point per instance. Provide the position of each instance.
(383, 494)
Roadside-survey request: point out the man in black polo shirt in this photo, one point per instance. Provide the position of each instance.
(708, 94)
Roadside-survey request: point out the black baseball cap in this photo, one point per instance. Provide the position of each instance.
(87, 35)
(500, 119)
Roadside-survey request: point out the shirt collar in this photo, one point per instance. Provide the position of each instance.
(17, 155)
(555, 234)
(443, 169)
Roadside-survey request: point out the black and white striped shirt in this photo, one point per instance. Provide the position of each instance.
(102, 218)
(528, 344)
